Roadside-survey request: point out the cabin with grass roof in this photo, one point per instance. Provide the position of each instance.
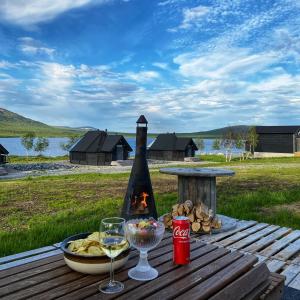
(3, 155)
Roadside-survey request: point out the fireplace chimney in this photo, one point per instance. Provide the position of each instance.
(139, 199)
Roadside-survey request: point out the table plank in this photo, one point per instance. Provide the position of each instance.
(254, 237)
(28, 266)
(289, 251)
(290, 273)
(212, 285)
(33, 252)
(163, 282)
(29, 259)
(267, 240)
(275, 265)
(244, 285)
(242, 234)
(280, 244)
(197, 250)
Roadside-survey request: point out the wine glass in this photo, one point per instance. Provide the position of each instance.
(144, 235)
(112, 242)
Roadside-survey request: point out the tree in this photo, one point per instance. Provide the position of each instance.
(69, 144)
(41, 145)
(252, 139)
(240, 144)
(216, 144)
(28, 141)
(200, 144)
(228, 142)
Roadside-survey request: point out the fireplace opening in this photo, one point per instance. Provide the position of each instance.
(139, 204)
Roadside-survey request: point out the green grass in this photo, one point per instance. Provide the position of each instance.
(40, 211)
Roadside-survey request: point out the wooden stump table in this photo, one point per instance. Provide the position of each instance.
(198, 184)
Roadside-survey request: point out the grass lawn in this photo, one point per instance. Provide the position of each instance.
(39, 211)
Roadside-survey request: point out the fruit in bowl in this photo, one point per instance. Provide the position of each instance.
(82, 253)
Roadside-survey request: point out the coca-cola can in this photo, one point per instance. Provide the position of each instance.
(181, 240)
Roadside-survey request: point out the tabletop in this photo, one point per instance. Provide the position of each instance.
(214, 273)
(197, 172)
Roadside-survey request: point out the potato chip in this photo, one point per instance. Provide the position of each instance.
(94, 250)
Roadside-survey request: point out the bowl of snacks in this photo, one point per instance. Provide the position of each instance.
(82, 253)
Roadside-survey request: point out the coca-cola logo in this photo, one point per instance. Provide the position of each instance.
(181, 233)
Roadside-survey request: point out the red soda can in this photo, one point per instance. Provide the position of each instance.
(181, 240)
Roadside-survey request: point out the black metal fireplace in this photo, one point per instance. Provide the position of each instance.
(139, 199)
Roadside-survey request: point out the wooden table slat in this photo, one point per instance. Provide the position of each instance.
(67, 292)
(209, 287)
(241, 225)
(295, 283)
(31, 272)
(174, 273)
(29, 266)
(289, 251)
(275, 265)
(29, 259)
(267, 240)
(254, 237)
(242, 234)
(290, 273)
(280, 244)
(244, 285)
(33, 252)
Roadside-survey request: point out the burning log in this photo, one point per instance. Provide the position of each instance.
(200, 216)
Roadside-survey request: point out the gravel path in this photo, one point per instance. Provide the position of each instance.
(65, 168)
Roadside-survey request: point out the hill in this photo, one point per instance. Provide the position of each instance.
(12, 124)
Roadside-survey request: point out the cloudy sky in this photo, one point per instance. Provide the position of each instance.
(188, 65)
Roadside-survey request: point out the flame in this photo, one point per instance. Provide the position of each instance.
(144, 196)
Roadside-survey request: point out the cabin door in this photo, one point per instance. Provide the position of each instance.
(189, 152)
(120, 152)
(297, 144)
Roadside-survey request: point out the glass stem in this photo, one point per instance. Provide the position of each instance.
(143, 264)
(112, 276)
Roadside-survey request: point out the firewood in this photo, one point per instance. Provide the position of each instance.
(180, 209)
(206, 223)
(191, 216)
(174, 214)
(169, 224)
(167, 218)
(196, 226)
(175, 207)
(188, 206)
(198, 211)
(199, 220)
(206, 229)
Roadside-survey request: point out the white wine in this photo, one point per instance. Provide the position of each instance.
(113, 245)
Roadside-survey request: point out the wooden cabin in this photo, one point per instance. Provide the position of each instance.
(3, 155)
(98, 148)
(278, 141)
(171, 147)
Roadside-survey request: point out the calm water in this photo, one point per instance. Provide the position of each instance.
(14, 146)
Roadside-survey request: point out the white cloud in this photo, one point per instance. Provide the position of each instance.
(30, 46)
(143, 76)
(30, 12)
(160, 65)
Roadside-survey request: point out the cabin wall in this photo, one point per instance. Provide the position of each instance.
(166, 155)
(276, 143)
(125, 154)
(93, 159)
(3, 159)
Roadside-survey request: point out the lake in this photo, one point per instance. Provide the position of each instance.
(14, 146)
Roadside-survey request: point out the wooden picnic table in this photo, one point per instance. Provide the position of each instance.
(214, 273)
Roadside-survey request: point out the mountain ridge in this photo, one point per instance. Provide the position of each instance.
(15, 125)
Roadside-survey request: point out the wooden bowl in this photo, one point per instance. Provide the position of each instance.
(92, 264)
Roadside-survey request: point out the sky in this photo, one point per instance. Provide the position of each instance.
(187, 65)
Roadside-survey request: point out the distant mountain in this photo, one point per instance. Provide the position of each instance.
(12, 124)
(217, 133)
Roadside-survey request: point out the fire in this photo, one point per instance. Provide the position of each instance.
(144, 196)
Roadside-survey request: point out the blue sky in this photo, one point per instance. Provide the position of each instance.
(187, 65)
